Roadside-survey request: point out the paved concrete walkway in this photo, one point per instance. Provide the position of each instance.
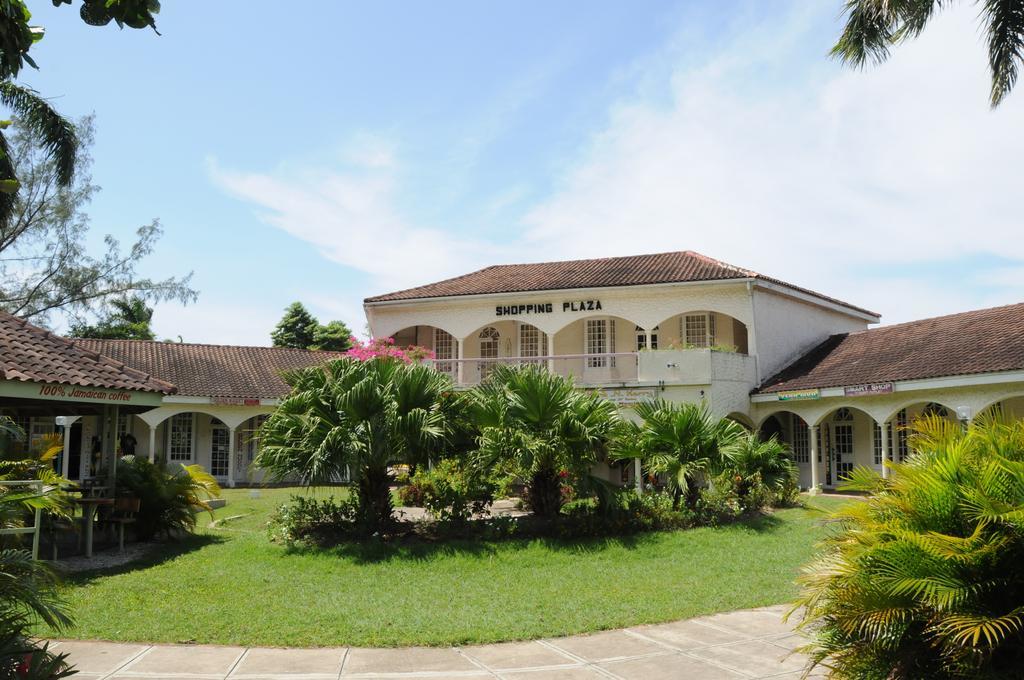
(742, 644)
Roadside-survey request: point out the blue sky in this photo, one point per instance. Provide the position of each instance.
(330, 151)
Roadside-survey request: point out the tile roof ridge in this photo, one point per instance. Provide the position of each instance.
(939, 317)
(451, 279)
(99, 358)
(161, 343)
(721, 263)
(691, 253)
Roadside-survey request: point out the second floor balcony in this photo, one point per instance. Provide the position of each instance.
(647, 367)
(689, 348)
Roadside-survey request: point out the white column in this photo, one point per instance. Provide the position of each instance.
(460, 376)
(231, 457)
(152, 443)
(550, 337)
(813, 435)
(638, 475)
(884, 430)
(112, 433)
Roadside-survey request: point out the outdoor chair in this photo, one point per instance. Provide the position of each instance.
(56, 527)
(122, 514)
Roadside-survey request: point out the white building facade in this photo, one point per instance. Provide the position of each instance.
(684, 327)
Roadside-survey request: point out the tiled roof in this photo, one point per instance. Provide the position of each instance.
(634, 270)
(212, 370)
(31, 354)
(981, 341)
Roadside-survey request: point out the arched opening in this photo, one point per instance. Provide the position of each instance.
(246, 447)
(597, 349)
(793, 431)
(742, 419)
(533, 343)
(1011, 408)
(703, 329)
(437, 340)
(488, 347)
(847, 438)
(194, 438)
(901, 422)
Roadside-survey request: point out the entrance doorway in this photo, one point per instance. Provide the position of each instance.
(840, 447)
(220, 437)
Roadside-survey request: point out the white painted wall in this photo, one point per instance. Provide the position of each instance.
(644, 306)
(786, 328)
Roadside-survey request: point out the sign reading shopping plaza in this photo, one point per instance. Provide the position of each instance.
(548, 307)
(77, 393)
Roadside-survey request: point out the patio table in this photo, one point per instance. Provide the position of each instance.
(89, 506)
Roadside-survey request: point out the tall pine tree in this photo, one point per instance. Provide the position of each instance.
(296, 329)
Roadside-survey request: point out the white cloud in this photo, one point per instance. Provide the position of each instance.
(758, 156)
(808, 179)
(350, 215)
(209, 321)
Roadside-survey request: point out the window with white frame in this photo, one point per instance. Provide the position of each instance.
(902, 449)
(220, 438)
(444, 351)
(600, 341)
(877, 443)
(933, 409)
(801, 439)
(246, 442)
(697, 330)
(181, 437)
(37, 429)
(489, 338)
(532, 343)
(843, 445)
(646, 339)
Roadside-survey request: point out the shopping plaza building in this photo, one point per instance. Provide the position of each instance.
(781, 359)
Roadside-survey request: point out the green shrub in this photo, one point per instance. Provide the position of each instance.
(451, 491)
(924, 579)
(317, 521)
(29, 590)
(168, 501)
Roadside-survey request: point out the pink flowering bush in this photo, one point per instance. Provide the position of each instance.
(386, 347)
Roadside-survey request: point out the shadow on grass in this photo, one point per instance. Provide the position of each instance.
(762, 523)
(157, 554)
(375, 551)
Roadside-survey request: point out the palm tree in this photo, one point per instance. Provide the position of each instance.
(28, 593)
(874, 26)
(55, 134)
(923, 579)
(751, 460)
(682, 441)
(545, 427)
(356, 416)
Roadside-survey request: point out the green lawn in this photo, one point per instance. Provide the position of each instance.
(229, 585)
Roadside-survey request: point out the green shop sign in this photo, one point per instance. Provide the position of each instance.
(65, 392)
(799, 395)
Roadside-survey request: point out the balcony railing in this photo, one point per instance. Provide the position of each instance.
(680, 367)
(590, 369)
